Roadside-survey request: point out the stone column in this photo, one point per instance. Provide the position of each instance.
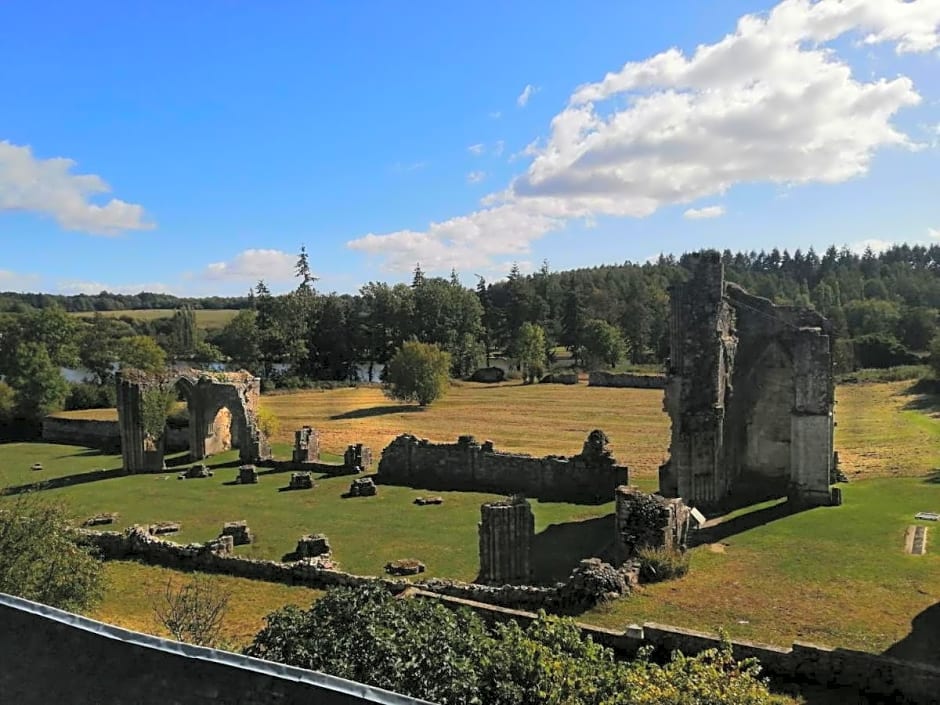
(506, 529)
(811, 420)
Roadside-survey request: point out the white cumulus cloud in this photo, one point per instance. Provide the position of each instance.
(253, 265)
(47, 187)
(526, 94)
(79, 286)
(771, 102)
(703, 213)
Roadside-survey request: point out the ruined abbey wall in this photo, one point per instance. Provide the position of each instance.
(473, 467)
(750, 395)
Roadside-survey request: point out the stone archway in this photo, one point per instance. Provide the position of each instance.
(207, 395)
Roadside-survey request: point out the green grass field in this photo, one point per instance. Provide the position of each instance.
(208, 319)
(836, 576)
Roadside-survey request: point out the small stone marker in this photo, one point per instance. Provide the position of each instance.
(247, 475)
(301, 481)
(36, 466)
(405, 566)
(222, 545)
(927, 516)
(697, 517)
(362, 487)
(239, 532)
(312, 546)
(422, 501)
(195, 472)
(99, 519)
(164, 527)
(915, 540)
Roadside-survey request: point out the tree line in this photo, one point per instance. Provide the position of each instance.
(884, 308)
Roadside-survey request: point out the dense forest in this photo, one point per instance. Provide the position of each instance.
(884, 308)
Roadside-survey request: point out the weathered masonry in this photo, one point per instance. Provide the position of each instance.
(590, 477)
(750, 395)
(222, 415)
(506, 529)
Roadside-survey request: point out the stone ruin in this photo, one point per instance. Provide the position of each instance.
(590, 477)
(195, 472)
(648, 521)
(312, 546)
(222, 408)
(306, 446)
(362, 487)
(424, 501)
(506, 529)
(357, 456)
(301, 481)
(750, 395)
(100, 519)
(239, 532)
(405, 566)
(163, 527)
(247, 475)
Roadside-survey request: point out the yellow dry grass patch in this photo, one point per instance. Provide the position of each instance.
(133, 588)
(540, 419)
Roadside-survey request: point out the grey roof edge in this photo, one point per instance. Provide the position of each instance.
(367, 693)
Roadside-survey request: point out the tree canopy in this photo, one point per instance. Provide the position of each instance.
(418, 372)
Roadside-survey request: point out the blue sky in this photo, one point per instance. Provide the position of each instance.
(193, 147)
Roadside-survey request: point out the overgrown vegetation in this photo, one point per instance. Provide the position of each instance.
(39, 559)
(156, 400)
(422, 649)
(658, 564)
(194, 612)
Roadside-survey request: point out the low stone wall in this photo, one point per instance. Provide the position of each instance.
(103, 435)
(872, 674)
(473, 467)
(136, 543)
(51, 656)
(599, 378)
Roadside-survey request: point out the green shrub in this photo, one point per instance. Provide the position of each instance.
(658, 564)
(417, 372)
(86, 395)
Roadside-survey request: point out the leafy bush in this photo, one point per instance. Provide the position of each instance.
(888, 374)
(86, 395)
(39, 559)
(7, 401)
(658, 564)
(417, 372)
(268, 422)
(935, 356)
(879, 350)
(420, 648)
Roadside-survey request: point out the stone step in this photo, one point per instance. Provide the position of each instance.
(915, 540)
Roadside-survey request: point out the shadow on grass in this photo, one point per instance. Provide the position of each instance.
(717, 530)
(558, 548)
(925, 395)
(923, 643)
(933, 477)
(377, 411)
(54, 483)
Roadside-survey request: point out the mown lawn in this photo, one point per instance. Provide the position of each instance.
(831, 575)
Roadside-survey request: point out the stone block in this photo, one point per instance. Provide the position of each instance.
(247, 475)
(301, 481)
(239, 532)
(100, 519)
(405, 566)
(363, 487)
(164, 527)
(422, 501)
(36, 466)
(312, 546)
(195, 472)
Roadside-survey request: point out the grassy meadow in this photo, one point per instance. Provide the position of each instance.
(208, 319)
(835, 576)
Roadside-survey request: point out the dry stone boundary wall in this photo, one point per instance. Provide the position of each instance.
(103, 435)
(600, 378)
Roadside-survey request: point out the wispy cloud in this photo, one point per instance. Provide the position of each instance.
(475, 177)
(16, 281)
(703, 213)
(495, 114)
(79, 286)
(526, 94)
(47, 187)
(498, 148)
(404, 168)
(476, 149)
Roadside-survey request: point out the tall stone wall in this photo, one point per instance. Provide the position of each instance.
(590, 477)
(506, 529)
(750, 395)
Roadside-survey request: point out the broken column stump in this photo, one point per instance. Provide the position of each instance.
(506, 529)
(239, 532)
